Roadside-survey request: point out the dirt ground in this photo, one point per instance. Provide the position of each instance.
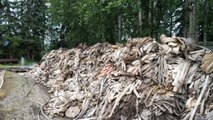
(21, 98)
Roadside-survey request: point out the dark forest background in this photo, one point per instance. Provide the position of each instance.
(30, 28)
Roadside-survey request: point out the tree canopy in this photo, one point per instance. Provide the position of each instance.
(29, 28)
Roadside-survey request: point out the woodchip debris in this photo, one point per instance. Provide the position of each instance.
(140, 80)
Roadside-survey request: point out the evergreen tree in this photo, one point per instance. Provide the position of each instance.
(26, 25)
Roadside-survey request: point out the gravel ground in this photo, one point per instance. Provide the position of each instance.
(21, 98)
(15, 100)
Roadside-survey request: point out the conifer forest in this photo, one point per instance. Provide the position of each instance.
(30, 28)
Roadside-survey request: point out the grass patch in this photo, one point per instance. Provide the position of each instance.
(8, 66)
(2, 94)
(29, 62)
(9, 83)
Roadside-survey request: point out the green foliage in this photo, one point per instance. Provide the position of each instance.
(30, 28)
(86, 21)
(23, 28)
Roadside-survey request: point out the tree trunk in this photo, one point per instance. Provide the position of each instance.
(186, 16)
(195, 8)
(139, 18)
(190, 34)
(11, 54)
(155, 22)
(33, 55)
(152, 17)
(171, 25)
(192, 20)
(28, 54)
(171, 11)
(205, 22)
(119, 27)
